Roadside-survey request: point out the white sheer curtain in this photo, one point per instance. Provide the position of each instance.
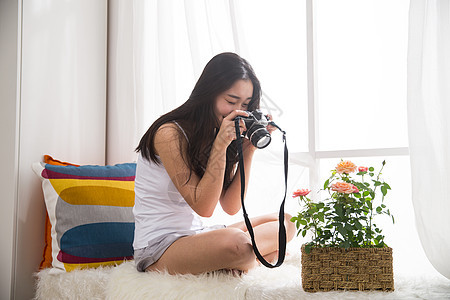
(429, 126)
(157, 50)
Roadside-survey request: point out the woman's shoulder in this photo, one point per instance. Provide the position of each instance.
(168, 127)
(165, 131)
(167, 135)
(172, 129)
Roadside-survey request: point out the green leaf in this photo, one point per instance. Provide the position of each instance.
(303, 222)
(308, 248)
(321, 216)
(339, 210)
(325, 185)
(384, 190)
(342, 231)
(303, 233)
(348, 227)
(379, 209)
(371, 169)
(358, 225)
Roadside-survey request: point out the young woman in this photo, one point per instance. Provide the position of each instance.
(187, 164)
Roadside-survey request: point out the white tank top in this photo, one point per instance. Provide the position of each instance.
(159, 208)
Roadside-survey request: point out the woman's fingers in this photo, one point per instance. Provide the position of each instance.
(228, 121)
(242, 126)
(236, 113)
(232, 128)
(227, 131)
(269, 127)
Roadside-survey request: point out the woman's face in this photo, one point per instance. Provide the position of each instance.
(235, 98)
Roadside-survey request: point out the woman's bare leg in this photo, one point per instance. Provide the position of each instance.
(228, 248)
(266, 233)
(271, 257)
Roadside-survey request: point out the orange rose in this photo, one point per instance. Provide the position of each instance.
(302, 192)
(345, 166)
(344, 187)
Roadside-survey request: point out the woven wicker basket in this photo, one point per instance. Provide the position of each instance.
(353, 269)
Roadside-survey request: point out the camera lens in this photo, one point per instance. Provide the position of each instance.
(259, 136)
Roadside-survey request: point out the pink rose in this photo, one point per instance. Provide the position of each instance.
(345, 166)
(300, 192)
(363, 169)
(344, 187)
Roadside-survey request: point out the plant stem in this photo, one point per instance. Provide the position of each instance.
(371, 210)
(314, 222)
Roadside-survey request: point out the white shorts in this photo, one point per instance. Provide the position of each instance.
(147, 256)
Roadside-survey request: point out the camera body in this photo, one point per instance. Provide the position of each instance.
(257, 133)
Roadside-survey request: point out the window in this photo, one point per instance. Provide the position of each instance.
(341, 94)
(361, 51)
(334, 74)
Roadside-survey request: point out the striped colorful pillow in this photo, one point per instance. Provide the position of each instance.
(90, 212)
(47, 254)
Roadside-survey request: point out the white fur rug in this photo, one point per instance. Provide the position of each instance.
(124, 282)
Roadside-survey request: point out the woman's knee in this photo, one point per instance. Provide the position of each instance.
(290, 226)
(237, 245)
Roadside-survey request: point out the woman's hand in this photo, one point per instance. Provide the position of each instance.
(227, 131)
(269, 127)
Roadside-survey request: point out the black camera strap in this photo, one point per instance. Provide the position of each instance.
(282, 229)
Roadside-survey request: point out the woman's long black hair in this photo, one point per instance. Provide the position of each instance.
(196, 116)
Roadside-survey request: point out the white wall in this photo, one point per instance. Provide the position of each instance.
(8, 135)
(61, 110)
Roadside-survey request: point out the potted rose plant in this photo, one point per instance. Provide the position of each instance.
(347, 249)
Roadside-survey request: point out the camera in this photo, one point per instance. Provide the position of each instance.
(257, 133)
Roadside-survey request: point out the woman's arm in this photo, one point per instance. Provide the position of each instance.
(231, 197)
(202, 194)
